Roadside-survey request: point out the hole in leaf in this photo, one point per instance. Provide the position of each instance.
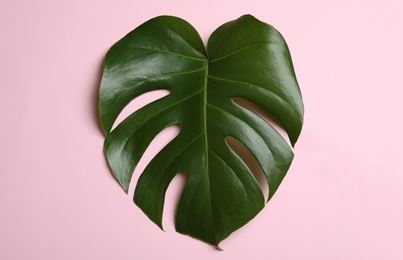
(262, 113)
(156, 145)
(247, 157)
(172, 198)
(140, 102)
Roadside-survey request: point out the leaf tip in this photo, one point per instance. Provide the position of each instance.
(294, 138)
(159, 224)
(248, 16)
(295, 132)
(161, 227)
(219, 248)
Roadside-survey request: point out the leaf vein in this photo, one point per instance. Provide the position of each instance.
(232, 115)
(250, 84)
(172, 53)
(187, 146)
(159, 112)
(229, 166)
(239, 50)
(151, 78)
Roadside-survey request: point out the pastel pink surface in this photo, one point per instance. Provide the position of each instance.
(342, 198)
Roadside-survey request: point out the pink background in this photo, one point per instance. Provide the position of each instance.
(342, 198)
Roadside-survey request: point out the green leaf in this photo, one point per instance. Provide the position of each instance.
(245, 58)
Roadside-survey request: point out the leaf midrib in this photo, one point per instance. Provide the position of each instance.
(206, 146)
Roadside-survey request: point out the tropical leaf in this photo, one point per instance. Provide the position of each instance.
(245, 58)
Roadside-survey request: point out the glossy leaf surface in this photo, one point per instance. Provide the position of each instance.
(245, 58)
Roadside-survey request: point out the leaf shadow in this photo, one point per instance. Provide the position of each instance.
(247, 157)
(244, 153)
(262, 113)
(95, 98)
(94, 115)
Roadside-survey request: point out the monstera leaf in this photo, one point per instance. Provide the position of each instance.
(245, 58)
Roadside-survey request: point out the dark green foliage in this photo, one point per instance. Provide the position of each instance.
(245, 58)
